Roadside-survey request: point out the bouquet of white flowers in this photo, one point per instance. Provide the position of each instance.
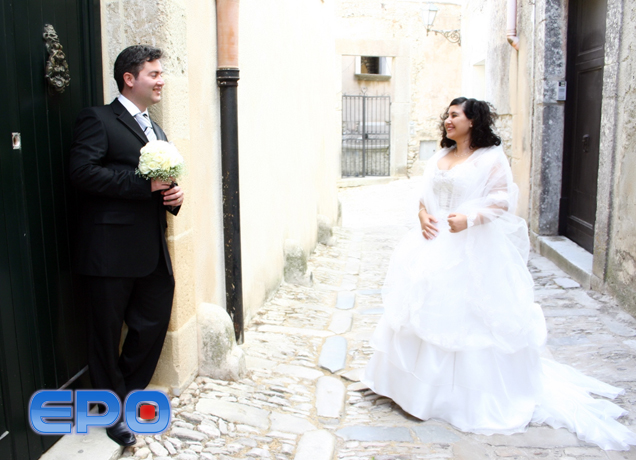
(160, 160)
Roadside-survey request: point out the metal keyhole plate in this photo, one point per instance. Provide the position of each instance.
(16, 141)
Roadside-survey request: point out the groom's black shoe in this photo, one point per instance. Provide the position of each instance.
(120, 433)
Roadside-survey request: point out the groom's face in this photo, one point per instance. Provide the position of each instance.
(146, 88)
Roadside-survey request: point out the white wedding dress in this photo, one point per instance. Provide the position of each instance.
(461, 336)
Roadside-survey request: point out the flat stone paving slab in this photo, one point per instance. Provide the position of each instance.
(294, 331)
(357, 386)
(253, 362)
(543, 436)
(94, 445)
(316, 445)
(568, 341)
(187, 434)
(353, 266)
(334, 354)
(354, 375)
(346, 300)
(341, 322)
(435, 434)
(330, 397)
(234, 412)
(372, 311)
(618, 328)
(567, 283)
(569, 312)
(298, 371)
(288, 423)
(375, 433)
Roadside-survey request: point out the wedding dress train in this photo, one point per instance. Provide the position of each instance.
(461, 336)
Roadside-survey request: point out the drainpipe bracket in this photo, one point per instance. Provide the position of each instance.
(227, 77)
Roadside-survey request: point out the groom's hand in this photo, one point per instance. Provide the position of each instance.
(158, 184)
(173, 196)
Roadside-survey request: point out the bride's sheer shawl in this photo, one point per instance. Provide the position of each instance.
(470, 289)
(488, 195)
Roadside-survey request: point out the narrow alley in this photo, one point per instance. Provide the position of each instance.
(307, 346)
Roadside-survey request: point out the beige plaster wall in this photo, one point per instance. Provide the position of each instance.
(288, 134)
(621, 269)
(188, 113)
(288, 140)
(494, 71)
(426, 72)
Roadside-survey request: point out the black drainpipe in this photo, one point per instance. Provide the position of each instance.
(227, 79)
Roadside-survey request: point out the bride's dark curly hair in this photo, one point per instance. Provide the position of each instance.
(483, 116)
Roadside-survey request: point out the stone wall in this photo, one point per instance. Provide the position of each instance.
(523, 86)
(433, 65)
(621, 172)
(288, 139)
(167, 24)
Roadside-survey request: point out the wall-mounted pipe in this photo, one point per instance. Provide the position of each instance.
(227, 76)
(511, 29)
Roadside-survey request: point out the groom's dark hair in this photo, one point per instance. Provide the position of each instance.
(132, 59)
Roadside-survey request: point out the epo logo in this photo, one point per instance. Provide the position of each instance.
(145, 411)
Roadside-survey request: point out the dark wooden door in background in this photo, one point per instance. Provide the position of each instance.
(42, 333)
(586, 49)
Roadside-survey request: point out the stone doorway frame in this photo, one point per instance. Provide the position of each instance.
(548, 125)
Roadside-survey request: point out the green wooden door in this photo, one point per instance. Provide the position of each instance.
(42, 333)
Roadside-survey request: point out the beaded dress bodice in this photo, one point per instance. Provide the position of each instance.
(447, 187)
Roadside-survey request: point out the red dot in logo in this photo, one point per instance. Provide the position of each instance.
(147, 412)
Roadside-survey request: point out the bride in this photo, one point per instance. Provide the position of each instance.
(461, 336)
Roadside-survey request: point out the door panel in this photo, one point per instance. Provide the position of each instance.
(42, 333)
(586, 40)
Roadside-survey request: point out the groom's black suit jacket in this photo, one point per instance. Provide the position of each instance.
(121, 224)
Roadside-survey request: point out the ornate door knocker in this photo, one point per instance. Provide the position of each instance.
(57, 73)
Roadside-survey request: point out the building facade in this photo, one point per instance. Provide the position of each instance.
(423, 69)
(567, 97)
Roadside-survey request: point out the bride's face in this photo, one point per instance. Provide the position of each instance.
(457, 125)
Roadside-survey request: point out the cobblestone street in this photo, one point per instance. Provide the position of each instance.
(307, 346)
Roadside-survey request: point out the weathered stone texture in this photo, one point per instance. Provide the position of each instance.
(433, 64)
(219, 356)
(621, 270)
(295, 262)
(325, 229)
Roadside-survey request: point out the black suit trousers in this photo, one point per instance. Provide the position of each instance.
(144, 304)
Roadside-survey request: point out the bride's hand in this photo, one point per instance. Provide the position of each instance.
(429, 230)
(457, 222)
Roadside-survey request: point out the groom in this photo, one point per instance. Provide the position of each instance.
(120, 246)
